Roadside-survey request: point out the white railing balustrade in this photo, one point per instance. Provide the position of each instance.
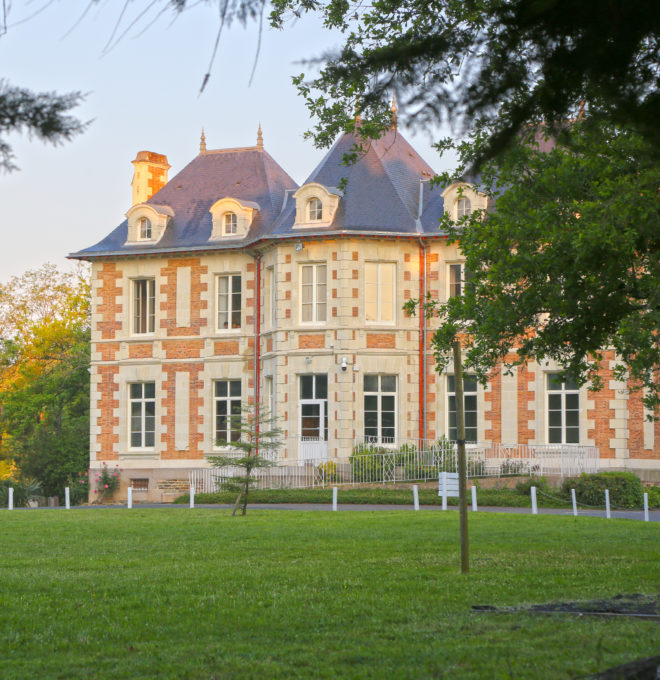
(411, 461)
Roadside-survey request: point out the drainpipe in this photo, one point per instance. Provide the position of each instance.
(423, 426)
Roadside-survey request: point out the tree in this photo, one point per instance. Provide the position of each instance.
(567, 264)
(44, 361)
(255, 443)
(505, 62)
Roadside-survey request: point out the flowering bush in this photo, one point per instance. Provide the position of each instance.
(106, 480)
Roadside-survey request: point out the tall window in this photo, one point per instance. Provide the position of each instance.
(563, 410)
(463, 207)
(313, 292)
(314, 406)
(227, 397)
(231, 223)
(314, 210)
(145, 228)
(380, 409)
(459, 275)
(142, 400)
(469, 406)
(144, 305)
(379, 291)
(229, 301)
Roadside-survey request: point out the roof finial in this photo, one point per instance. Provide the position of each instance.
(393, 109)
(260, 138)
(202, 142)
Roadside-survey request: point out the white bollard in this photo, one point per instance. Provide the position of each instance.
(129, 497)
(646, 507)
(444, 490)
(10, 499)
(334, 499)
(67, 498)
(608, 514)
(416, 496)
(535, 509)
(574, 499)
(192, 496)
(474, 499)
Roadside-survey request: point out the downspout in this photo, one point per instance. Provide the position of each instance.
(423, 367)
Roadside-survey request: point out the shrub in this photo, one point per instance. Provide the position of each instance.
(523, 487)
(654, 496)
(511, 466)
(328, 471)
(25, 490)
(625, 488)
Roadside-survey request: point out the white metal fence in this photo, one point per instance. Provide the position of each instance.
(412, 462)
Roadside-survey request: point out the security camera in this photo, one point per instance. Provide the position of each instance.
(344, 364)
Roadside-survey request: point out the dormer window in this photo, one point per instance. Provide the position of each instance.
(147, 222)
(231, 218)
(145, 229)
(463, 208)
(316, 206)
(314, 210)
(231, 223)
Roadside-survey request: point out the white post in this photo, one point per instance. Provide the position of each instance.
(129, 497)
(608, 514)
(574, 499)
(444, 490)
(10, 499)
(67, 498)
(192, 495)
(474, 498)
(535, 509)
(646, 507)
(334, 499)
(416, 496)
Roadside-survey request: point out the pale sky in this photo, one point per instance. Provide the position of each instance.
(143, 95)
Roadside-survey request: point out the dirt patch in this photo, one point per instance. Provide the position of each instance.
(636, 605)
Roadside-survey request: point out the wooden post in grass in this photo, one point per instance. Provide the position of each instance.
(10, 498)
(535, 507)
(129, 497)
(462, 465)
(67, 498)
(334, 498)
(192, 495)
(646, 507)
(574, 499)
(474, 498)
(416, 496)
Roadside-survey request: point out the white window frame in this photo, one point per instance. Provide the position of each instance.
(316, 301)
(144, 224)
(142, 400)
(229, 400)
(378, 289)
(379, 394)
(137, 314)
(463, 280)
(230, 223)
(315, 213)
(230, 297)
(563, 393)
(474, 393)
(463, 207)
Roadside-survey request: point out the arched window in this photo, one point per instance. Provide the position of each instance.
(145, 228)
(463, 208)
(231, 223)
(315, 210)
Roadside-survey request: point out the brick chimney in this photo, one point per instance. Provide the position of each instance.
(150, 175)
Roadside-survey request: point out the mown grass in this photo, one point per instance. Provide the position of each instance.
(180, 593)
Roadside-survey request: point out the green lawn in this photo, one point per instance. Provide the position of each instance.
(180, 593)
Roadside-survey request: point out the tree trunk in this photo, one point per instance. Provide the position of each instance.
(238, 500)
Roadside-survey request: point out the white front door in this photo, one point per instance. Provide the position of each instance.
(312, 444)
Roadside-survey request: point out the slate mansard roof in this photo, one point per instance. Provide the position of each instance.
(380, 196)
